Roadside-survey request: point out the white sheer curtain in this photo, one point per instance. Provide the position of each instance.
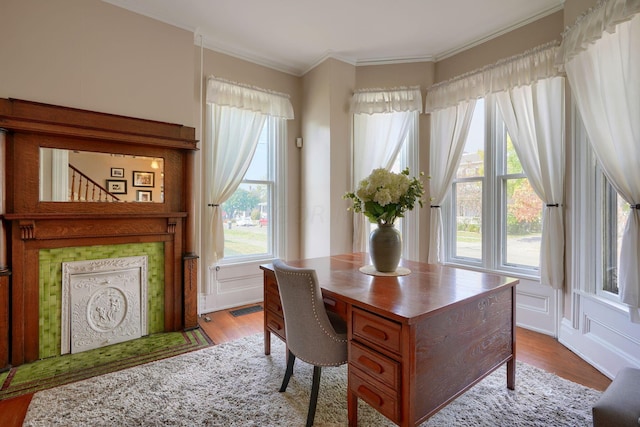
(235, 117)
(601, 56)
(451, 104)
(449, 130)
(381, 121)
(532, 107)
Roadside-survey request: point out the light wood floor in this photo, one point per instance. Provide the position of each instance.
(533, 348)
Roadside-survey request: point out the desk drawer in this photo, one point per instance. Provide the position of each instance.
(384, 401)
(375, 364)
(377, 330)
(270, 283)
(274, 323)
(273, 304)
(336, 306)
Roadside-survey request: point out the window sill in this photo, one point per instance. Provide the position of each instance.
(510, 273)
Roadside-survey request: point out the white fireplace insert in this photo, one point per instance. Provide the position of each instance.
(104, 302)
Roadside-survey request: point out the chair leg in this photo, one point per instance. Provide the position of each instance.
(315, 388)
(287, 375)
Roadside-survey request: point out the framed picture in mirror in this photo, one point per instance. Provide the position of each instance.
(143, 196)
(117, 172)
(143, 179)
(117, 186)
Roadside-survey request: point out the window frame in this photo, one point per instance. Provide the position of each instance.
(592, 196)
(494, 204)
(276, 129)
(409, 156)
(598, 198)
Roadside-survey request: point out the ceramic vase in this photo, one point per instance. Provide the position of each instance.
(385, 247)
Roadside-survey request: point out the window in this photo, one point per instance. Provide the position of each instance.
(408, 157)
(250, 216)
(493, 216)
(601, 216)
(614, 215)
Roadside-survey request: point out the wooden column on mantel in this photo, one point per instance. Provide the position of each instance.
(34, 224)
(4, 321)
(190, 259)
(4, 267)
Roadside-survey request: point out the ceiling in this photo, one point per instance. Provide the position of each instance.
(295, 35)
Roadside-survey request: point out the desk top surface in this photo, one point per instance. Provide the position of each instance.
(427, 290)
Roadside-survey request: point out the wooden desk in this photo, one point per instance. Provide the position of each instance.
(416, 342)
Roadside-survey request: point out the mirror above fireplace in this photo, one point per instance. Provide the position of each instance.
(86, 176)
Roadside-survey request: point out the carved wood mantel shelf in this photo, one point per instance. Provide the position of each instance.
(30, 224)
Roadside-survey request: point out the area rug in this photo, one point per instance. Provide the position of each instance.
(55, 371)
(235, 384)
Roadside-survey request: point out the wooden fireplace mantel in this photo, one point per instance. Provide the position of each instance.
(30, 225)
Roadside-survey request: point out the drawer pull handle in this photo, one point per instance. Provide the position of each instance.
(370, 396)
(371, 364)
(275, 307)
(375, 332)
(275, 325)
(329, 302)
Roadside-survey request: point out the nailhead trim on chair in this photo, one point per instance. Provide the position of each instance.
(315, 315)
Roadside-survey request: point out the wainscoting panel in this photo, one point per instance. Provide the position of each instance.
(606, 338)
(536, 307)
(233, 285)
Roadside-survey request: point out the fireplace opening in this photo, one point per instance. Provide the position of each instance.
(104, 302)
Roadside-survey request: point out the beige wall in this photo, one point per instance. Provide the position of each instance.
(517, 41)
(92, 55)
(326, 157)
(343, 78)
(574, 8)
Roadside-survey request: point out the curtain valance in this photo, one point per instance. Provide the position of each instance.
(450, 93)
(225, 93)
(524, 69)
(372, 101)
(591, 25)
(519, 70)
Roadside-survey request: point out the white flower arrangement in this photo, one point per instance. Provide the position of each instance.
(384, 196)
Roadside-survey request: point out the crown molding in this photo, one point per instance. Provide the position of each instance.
(479, 41)
(395, 60)
(245, 55)
(329, 55)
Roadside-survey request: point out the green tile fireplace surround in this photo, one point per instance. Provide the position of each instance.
(50, 286)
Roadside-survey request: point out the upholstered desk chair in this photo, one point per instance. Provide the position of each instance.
(313, 335)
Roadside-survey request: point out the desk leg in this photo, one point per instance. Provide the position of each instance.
(511, 374)
(267, 342)
(352, 407)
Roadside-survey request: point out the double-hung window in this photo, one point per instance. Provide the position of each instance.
(250, 213)
(600, 217)
(492, 216)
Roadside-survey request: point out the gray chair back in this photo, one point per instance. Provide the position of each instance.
(310, 334)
